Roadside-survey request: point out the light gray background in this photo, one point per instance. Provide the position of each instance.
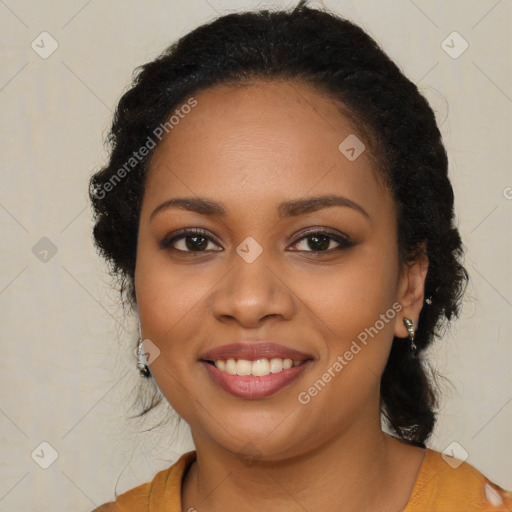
(67, 366)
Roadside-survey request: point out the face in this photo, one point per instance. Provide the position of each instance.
(265, 263)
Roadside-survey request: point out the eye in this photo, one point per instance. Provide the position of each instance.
(318, 242)
(189, 240)
(198, 240)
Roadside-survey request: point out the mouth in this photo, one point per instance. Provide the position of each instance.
(257, 368)
(254, 370)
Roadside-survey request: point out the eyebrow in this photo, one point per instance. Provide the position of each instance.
(292, 208)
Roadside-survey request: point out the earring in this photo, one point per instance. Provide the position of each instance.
(409, 325)
(141, 358)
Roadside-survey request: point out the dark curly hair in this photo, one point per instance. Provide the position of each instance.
(341, 61)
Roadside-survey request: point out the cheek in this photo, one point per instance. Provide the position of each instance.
(352, 296)
(355, 302)
(169, 303)
(164, 294)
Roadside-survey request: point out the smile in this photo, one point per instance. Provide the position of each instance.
(257, 368)
(263, 383)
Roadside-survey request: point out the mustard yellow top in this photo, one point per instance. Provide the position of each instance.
(439, 487)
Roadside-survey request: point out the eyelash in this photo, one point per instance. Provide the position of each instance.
(343, 241)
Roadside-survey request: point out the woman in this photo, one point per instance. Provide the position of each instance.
(278, 209)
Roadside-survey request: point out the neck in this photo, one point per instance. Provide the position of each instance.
(361, 468)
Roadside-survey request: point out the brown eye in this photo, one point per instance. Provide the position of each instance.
(322, 242)
(195, 240)
(195, 243)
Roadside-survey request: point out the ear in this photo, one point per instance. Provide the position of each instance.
(411, 292)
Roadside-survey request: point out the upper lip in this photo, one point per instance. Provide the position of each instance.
(252, 351)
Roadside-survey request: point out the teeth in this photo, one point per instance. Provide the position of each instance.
(276, 365)
(230, 366)
(258, 368)
(243, 367)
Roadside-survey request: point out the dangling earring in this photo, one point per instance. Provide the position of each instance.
(141, 358)
(409, 325)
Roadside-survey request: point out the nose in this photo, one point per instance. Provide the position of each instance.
(252, 293)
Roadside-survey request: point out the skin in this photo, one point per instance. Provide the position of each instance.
(251, 148)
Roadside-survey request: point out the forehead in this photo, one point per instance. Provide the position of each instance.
(262, 140)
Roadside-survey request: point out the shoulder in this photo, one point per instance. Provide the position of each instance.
(448, 484)
(163, 491)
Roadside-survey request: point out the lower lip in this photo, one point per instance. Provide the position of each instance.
(250, 387)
